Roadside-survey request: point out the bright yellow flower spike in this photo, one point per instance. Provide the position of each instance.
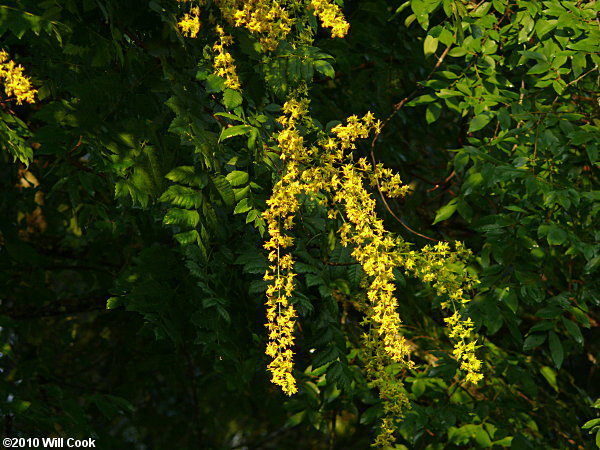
(331, 17)
(15, 83)
(224, 63)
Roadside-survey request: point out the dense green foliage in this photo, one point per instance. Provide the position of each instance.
(131, 235)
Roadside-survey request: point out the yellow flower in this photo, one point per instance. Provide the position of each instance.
(190, 24)
(224, 64)
(331, 17)
(15, 83)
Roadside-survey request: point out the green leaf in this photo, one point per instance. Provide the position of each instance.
(427, 98)
(430, 45)
(187, 175)
(592, 265)
(550, 376)
(341, 375)
(224, 189)
(237, 178)
(182, 196)
(355, 274)
(371, 414)
(242, 206)
(325, 68)
(418, 387)
(480, 121)
(533, 340)
(556, 235)
(325, 356)
(236, 130)
(591, 423)
(509, 298)
(182, 217)
(556, 349)
(215, 83)
(432, 113)
(592, 151)
(232, 99)
(187, 237)
(482, 437)
(446, 211)
(573, 330)
(113, 302)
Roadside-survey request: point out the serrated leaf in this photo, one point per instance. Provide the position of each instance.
(232, 99)
(355, 274)
(214, 83)
(236, 130)
(252, 215)
(242, 206)
(509, 298)
(187, 237)
(325, 356)
(186, 175)
(223, 188)
(340, 374)
(182, 196)
(241, 193)
(592, 265)
(237, 177)
(183, 217)
(229, 116)
(325, 68)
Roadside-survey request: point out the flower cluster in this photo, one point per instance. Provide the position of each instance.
(15, 83)
(224, 63)
(266, 19)
(325, 168)
(190, 24)
(444, 269)
(374, 249)
(388, 182)
(283, 205)
(464, 350)
(271, 21)
(331, 17)
(385, 377)
(328, 168)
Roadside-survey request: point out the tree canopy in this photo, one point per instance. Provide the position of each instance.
(301, 224)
